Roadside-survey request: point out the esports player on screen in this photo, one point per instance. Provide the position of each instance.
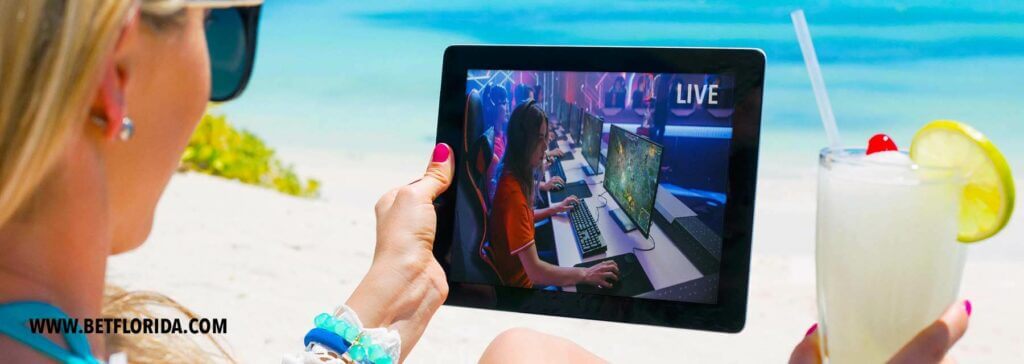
(495, 100)
(660, 115)
(512, 219)
(496, 114)
(616, 97)
(639, 99)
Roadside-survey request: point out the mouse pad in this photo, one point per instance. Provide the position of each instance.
(632, 278)
(578, 189)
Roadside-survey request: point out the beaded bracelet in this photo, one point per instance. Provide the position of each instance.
(344, 334)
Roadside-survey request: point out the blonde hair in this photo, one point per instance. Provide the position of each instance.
(51, 58)
(156, 348)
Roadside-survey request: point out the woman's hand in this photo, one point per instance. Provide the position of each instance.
(405, 284)
(555, 153)
(602, 275)
(929, 346)
(551, 182)
(565, 205)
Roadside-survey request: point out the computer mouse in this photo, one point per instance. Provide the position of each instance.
(559, 186)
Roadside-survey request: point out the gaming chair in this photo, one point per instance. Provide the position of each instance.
(472, 259)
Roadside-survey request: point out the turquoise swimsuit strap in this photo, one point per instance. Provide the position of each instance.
(14, 323)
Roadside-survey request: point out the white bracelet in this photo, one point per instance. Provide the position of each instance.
(388, 339)
(343, 331)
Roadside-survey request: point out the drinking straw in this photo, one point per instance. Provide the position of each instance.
(803, 34)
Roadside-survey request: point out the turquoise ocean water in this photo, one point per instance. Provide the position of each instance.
(365, 74)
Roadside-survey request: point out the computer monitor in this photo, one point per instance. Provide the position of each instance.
(560, 112)
(577, 117)
(591, 140)
(631, 176)
(566, 110)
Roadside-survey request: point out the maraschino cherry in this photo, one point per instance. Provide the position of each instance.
(881, 143)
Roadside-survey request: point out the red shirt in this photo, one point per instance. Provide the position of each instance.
(511, 228)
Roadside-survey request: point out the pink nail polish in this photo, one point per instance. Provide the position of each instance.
(811, 330)
(967, 307)
(441, 152)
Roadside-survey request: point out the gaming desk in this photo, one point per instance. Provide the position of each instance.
(665, 265)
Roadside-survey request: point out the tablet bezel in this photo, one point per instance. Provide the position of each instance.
(747, 66)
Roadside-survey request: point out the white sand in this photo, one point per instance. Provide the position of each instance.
(269, 263)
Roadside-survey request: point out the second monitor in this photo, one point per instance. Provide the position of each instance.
(575, 116)
(631, 178)
(591, 143)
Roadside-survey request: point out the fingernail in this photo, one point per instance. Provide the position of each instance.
(811, 330)
(441, 152)
(967, 307)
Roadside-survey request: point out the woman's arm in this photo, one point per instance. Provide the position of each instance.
(543, 273)
(541, 214)
(405, 284)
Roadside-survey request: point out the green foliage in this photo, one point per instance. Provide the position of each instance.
(218, 149)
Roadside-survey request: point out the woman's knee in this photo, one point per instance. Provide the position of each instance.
(521, 345)
(509, 344)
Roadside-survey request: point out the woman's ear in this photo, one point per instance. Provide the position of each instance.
(108, 107)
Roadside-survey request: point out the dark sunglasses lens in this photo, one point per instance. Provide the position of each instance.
(229, 58)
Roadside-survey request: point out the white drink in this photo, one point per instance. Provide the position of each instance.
(888, 261)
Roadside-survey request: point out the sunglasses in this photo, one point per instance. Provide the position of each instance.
(231, 27)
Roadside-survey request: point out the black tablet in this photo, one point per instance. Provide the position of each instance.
(602, 183)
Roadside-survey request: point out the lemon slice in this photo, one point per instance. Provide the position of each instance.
(988, 194)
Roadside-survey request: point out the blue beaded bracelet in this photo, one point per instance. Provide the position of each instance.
(328, 339)
(344, 338)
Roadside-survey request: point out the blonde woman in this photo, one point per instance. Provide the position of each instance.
(98, 99)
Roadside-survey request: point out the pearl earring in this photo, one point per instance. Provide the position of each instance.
(124, 132)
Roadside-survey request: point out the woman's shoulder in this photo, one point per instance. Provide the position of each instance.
(508, 184)
(507, 190)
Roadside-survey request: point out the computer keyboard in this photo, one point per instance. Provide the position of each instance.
(588, 237)
(700, 290)
(703, 234)
(701, 246)
(557, 170)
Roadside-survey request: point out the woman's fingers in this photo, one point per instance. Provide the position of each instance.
(932, 343)
(610, 266)
(438, 176)
(435, 180)
(603, 280)
(806, 352)
(929, 346)
(385, 202)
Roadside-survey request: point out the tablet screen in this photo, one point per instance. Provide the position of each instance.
(611, 183)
